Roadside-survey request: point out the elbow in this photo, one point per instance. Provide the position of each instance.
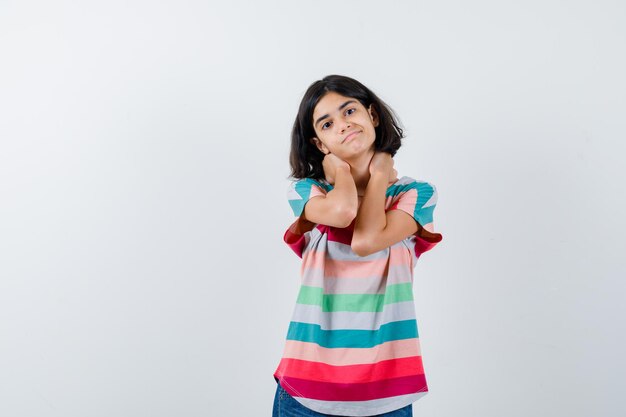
(345, 215)
(361, 247)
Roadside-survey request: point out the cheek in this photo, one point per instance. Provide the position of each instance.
(369, 126)
(371, 133)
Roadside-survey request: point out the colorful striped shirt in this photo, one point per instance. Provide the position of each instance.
(352, 344)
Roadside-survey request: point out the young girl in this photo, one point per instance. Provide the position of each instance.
(352, 346)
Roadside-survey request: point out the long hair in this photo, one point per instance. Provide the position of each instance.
(305, 158)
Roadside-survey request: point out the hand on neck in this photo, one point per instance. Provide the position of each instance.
(360, 170)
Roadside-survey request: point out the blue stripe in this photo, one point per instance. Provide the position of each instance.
(400, 188)
(425, 215)
(303, 188)
(313, 333)
(425, 191)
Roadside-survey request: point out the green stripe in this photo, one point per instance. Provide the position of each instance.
(399, 292)
(355, 302)
(310, 295)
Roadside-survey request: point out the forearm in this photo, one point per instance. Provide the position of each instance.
(344, 194)
(371, 219)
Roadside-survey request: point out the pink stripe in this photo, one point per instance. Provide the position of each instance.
(353, 269)
(329, 391)
(407, 201)
(352, 356)
(316, 191)
(388, 202)
(397, 274)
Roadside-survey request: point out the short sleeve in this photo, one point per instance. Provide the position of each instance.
(419, 199)
(298, 194)
(301, 191)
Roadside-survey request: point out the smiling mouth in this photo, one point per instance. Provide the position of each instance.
(351, 135)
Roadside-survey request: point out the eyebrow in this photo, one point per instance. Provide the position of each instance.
(339, 108)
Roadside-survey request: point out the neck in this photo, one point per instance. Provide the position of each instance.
(360, 170)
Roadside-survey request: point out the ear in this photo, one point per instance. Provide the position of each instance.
(323, 149)
(373, 115)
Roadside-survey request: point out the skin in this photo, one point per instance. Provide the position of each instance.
(359, 174)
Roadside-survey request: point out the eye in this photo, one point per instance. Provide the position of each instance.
(352, 110)
(324, 125)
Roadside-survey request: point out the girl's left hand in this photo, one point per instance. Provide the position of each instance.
(382, 162)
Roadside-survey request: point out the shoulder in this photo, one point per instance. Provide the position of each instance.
(406, 184)
(301, 188)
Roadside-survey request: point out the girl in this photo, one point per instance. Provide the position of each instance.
(352, 346)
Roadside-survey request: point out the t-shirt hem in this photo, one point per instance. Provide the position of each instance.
(363, 412)
(359, 411)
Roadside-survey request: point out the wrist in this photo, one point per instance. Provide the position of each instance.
(377, 181)
(379, 176)
(345, 169)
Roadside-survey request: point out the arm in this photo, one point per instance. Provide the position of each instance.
(339, 206)
(374, 229)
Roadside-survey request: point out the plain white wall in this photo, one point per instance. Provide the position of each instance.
(143, 170)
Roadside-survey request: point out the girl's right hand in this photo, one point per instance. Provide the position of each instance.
(330, 165)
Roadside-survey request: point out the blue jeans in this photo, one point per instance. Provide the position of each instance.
(286, 406)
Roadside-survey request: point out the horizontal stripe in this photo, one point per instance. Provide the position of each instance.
(373, 284)
(351, 356)
(343, 251)
(355, 302)
(324, 260)
(338, 320)
(349, 374)
(329, 391)
(361, 408)
(312, 333)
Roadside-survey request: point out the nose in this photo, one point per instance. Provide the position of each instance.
(345, 125)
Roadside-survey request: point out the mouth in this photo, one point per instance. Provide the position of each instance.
(351, 135)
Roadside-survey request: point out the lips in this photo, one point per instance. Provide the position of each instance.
(351, 135)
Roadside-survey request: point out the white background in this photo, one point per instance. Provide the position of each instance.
(143, 174)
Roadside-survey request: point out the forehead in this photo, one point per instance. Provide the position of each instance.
(329, 104)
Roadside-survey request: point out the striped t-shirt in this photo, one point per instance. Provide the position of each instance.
(352, 345)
